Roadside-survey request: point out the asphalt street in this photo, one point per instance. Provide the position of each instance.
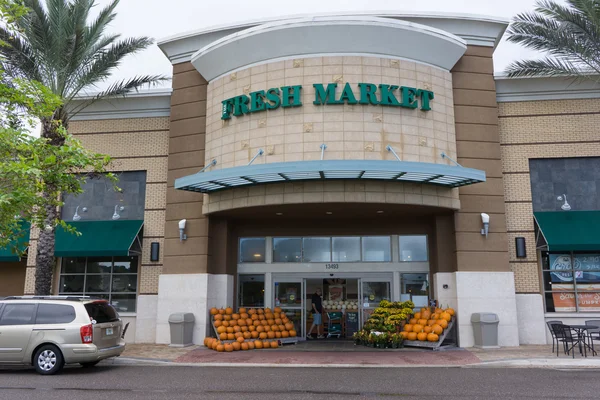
(116, 382)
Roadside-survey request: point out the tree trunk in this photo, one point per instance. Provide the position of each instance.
(44, 260)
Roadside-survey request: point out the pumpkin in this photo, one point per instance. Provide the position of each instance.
(277, 321)
(221, 329)
(206, 341)
(247, 335)
(223, 336)
(270, 317)
(427, 329)
(229, 310)
(260, 311)
(278, 335)
(244, 329)
(437, 329)
(228, 348)
(242, 310)
(254, 334)
(268, 311)
(218, 317)
(218, 324)
(289, 326)
(271, 335)
(240, 339)
(285, 334)
(275, 328)
(236, 346)
(438, 310)
(292, 333)
(215, 343)
(230, 336)
(256, 323)
(431, 322)
(408, 327)
(254, 317)
(242, 323)
(260, 328)
(251, 328)
(225, 323)
(267, 328)
(443, 323)
(220, 348)
(250, 345)
(412, 321)
(412, 336)
(281, 328)
(450, 311)
(226, 317)
(274, 344)
(426, 314)
(445, 316)
(258, 344)
(235, 316)
(432, 337)
(249, 321)
(435, 316)
(271, 321)
(238, 335)
(264, 322)
(237, 329)
(424, 309)
(245, 346)
(277, 309)
(417, 315)
(221, 311)
(422, 321)
(243, 315)
(421, 336)
(229, 329)
(404, 335)
(417, 328)
(262, 335)
(214, 311)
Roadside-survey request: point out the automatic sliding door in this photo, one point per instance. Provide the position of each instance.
(289, 296)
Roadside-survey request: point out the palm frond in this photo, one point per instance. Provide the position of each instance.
(17, 57)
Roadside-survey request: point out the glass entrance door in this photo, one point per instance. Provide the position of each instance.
(371, 293)
(289, 295)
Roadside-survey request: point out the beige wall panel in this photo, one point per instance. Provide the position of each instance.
(154, 223)
(156, 168)
(516, 158)
(517, 187)
(492, 168)
(187, 79)
(550, 107)
(468, 63)
(466, 222)
(119, 125)
(465, 80)
(550, 129)
(189, 247)
(190, 126)
(466, 97)
(176, 212)
(491, 187)
(195, 264)
(183, 67)
(182, 196)
(188, 110)
(483, 261)
(156, 196)
(186, 143)
(189, 95)
(479, 150)
(149, 279)
(13, 278)
(527, 277)
(178, 173)
(476, 115)
(475, 241)
(193, 228)
(480, 51)
(519, 217)
(477, 132)
(478, 204)
(130, 144)
(187, 160)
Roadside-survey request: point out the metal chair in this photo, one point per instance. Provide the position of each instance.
(593, 334)
(569, 339)
(334, 324)
(552, 333)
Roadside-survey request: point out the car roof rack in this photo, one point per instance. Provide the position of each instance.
(67, 298)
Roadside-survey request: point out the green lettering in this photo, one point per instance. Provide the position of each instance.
(347, 95)
(293, 93)
(227, 108)
(367, 93)
(425, 96)
(257, 101)
(408, 97)
(240, 105)
(325, 96)
(273, 98)
(387, 95)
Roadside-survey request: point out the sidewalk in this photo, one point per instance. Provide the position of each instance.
(344, 355)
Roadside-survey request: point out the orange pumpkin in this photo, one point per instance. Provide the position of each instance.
(218, 324)
(278, 321)
(289, 326)
(277, 309)
(262, 335)
(238, 335)
(417, 315)
(274, 344)
(426, 314)
(432, 337)
(245, 346)
(256, 323)
(260, 328)
(421, 336)
(235, 316)
(221, 329)
(230, 336)
(221, 311)
(264, 322)
(431, 322)
(281, 328)
(243, 315)
(247, 335)
(251, 328)
(229, 329)
(229, 310)
(404, 335)
(427, 329)
(268, 311)
(250, 345)
(450, 311)
(251, 311)
(220, 348)
(445, 316)
(214, 311)
(223, 336)
(206, 340)
(254, 317)
(437, 329)
(278, 335)
(254, 334)
(412, 321)
(267, 328)
(271, 335)
(225, 323)
(236, 346)
(443, 323)
(438, 310)
(226, 317)
(285, 334)
(292, 333)
(244, 329)
(422, 321)
(215, 343)
(417, 328)
(271, 321)
(412, 336)
(228, 348)
(218, 317)
(258, 344)
(237, 329)
(260, 311)
(408, 327)
(249, 321)
(242, 310)
(240, 339)
(270, 317)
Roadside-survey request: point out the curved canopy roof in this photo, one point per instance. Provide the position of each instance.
(382, 170)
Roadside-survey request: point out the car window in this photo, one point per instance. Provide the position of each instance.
(55, 314)
(101, 312)
(18, 314)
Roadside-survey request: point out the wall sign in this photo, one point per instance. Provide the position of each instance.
(363, 93)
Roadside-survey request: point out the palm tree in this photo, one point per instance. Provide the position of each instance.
(59, 45)
(568, 34)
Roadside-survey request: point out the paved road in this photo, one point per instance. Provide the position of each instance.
(117, 382)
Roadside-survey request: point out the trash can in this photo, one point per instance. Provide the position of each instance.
(182, 329)
(485, 329)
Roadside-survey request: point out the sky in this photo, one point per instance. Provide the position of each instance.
(163, 18)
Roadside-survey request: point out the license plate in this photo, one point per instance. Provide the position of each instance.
(109, 331)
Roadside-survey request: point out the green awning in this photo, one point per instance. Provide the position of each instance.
(8, 254)
(569, 230)
(98, 238)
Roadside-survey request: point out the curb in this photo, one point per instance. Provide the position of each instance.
(538, 363)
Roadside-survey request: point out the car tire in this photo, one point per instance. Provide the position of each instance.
(48, 360)
(89, 364)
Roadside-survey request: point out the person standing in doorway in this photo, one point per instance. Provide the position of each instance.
(317, 312)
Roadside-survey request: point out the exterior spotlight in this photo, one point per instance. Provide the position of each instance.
(116, 215)
(486, 224)
(182, 235)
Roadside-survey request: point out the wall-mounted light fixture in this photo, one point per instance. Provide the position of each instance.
(182, 235)
(521, 247)
(485, 219)
(116, 215)
(566, 206)
(77, 217)
(154, 251)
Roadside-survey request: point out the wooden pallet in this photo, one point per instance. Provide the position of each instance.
(447, 339)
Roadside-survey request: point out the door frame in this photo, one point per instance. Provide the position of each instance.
(275, 282)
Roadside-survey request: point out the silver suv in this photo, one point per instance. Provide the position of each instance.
(49, 332)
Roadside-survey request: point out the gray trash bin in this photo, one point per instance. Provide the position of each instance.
(485, 329)
(182, 329)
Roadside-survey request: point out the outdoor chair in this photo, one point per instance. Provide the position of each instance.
(569, 340)
(553, 334)
(593, 334)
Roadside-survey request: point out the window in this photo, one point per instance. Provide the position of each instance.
(252, 250)
(101, 312)
(415, 287)
(54, 314)
(287, 249)
(316, 249)
(413, 248)
(110, 278)
(571, 282)
(18, 314)
(376, 248)
(251, 290)
(346, 249)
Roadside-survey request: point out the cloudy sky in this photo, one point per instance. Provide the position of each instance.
(164, 18)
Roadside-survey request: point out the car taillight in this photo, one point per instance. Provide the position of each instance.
(87, 333)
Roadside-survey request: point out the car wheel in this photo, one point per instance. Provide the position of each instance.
(48, 360)
(89, 364)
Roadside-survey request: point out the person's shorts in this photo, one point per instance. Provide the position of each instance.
(317, 319)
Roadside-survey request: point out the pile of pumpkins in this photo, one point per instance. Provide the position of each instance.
(426, 325)
(249, 329)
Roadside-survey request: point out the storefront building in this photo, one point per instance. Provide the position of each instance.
(351, 153)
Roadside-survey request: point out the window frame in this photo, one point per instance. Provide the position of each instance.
(240, 261)
(413, 235)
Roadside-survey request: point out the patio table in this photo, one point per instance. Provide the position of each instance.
(580, 331)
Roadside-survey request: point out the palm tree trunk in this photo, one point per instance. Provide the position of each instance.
(44, 260)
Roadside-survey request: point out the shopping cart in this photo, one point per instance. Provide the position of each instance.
(334, 324)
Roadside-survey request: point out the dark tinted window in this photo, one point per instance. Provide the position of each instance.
(54, 314)
(17, 314)
(101, 312)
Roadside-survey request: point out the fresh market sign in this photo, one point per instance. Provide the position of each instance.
(365, 93)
